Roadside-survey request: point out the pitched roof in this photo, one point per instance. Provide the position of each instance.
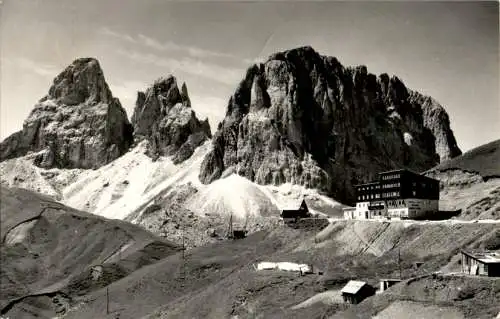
(295, 204)
(353, 286)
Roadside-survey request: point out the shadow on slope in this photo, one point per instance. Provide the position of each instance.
(50, 250)
(219, 281)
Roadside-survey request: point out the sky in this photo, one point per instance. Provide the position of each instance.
(448, 50)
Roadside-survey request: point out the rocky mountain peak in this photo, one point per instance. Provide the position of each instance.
(78, 124)
(185, 96)
(82, 81)
(164, 117)
(303, 118)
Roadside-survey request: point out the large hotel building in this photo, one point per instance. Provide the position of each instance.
(399, 194)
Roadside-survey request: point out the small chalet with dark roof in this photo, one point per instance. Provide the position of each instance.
(295, 214)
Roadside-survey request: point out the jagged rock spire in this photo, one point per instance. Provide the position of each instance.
(163, 115)
(78, 124)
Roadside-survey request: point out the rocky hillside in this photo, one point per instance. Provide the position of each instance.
(52, 254)
(163, 197)
(78, 124)
(163, 115)
(342, 251)
(304, 118)
(471, 182)
(483, 160)
(433, 296)
(47, 270)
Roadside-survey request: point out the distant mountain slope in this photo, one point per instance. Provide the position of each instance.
(471, 182)
(165, 197)
(51, 251)
(305, 119)
(483, 160)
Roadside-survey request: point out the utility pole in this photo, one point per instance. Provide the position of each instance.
(246, 223)
(107, 300)
(183, 277)
(399, 262)
(230, 232)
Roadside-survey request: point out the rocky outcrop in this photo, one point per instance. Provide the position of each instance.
(303, 118)
(78, 124)
(471, 182)
(163, 115)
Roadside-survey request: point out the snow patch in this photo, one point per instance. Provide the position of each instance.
(124, 188)
(395, 115)
(19, 233)
(259, 116)
(408, 138)
(120, 251)
(284, 266)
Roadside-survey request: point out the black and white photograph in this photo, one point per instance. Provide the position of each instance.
(249, 159)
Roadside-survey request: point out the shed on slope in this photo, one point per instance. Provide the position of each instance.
(356, 291)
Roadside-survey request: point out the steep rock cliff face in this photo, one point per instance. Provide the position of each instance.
(163, 115)
(304, 118)
(78, 124)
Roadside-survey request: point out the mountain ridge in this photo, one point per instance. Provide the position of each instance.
(163, 115)
(367, 123)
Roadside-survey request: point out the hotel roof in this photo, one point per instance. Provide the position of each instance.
(399, 170)
(486, 257)
(368, 184)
